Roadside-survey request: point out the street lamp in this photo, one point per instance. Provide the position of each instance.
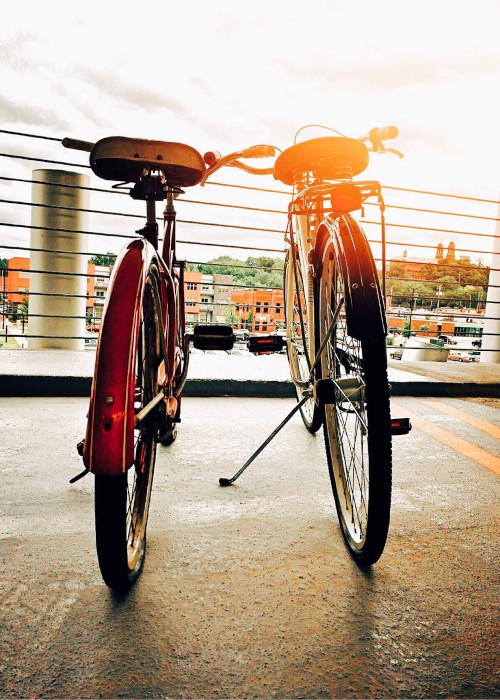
(414, 297)
(439, 293)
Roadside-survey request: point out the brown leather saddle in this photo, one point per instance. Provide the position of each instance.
(127, 160)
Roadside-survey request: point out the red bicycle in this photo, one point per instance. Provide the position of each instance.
(142, 353)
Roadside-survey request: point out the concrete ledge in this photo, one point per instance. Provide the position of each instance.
(445, 389)
(268, 389)
(39, 385)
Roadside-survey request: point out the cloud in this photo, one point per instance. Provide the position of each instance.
(386, 73)
(118, 88)
(20, 110)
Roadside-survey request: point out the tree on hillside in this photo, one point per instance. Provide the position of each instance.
(263, 271)
(107, 259)
(458, 282)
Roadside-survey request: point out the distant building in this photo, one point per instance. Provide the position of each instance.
(97, 287)
(15, 282)
(413, 266)
(207, 297)
(192, 296)
(215, 298)
(259, 310)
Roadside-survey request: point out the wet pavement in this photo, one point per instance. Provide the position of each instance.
(248, 591)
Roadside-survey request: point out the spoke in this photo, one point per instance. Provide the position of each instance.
(131, 493)
(354, 410)
(348, 417)
(352, 469)
(354, 501)
(329, 332)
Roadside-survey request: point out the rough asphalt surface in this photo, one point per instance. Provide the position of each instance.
(248, 591)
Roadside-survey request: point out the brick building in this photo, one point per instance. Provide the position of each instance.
(15, 285)
(192, 296)
(15, 281)
(259, 310)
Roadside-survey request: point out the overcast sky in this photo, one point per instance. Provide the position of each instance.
(226, 74)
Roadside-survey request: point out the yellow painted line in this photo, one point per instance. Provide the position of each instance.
(483, 425)
(468, 449)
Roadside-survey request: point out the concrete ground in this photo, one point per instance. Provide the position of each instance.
(248, 591)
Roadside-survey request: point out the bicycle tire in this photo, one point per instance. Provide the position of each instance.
(122, 502)
(297, 346)
(357, 425)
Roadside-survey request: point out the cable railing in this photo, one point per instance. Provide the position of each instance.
(211, 224)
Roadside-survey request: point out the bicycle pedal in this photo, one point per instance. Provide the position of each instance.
(264, 344)
(213, 338)
(400, 426)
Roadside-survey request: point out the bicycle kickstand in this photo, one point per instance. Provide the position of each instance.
(227, 482)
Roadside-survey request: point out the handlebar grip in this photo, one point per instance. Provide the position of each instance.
(383, 133)
(77, 145)
(211, 157)
(258, 152)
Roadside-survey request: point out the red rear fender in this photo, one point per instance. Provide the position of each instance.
(109, 441)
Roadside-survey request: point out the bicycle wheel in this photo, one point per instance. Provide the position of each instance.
(298, 345)
(357, 425)
(122, 502)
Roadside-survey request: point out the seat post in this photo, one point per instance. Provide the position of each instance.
(150, 211)
(150, 230)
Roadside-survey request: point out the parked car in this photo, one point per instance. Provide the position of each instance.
(446, 339)
(396, 353)
(461, 356)
(241, 334)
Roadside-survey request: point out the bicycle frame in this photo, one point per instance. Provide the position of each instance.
(109, 442)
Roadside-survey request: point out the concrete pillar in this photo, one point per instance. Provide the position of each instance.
(492, 312)
(43, 307)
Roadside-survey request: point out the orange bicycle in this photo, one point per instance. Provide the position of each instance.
(336, 329)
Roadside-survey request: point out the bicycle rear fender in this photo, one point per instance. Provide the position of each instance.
(362, 287)
(109, 440)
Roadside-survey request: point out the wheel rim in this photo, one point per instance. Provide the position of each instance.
(346, 427)
(298, 345)
(140, 476)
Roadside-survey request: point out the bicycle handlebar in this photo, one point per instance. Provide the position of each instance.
(77, 145)
(258, 152)
(214, 160)
(383, 133)
(378, 135)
